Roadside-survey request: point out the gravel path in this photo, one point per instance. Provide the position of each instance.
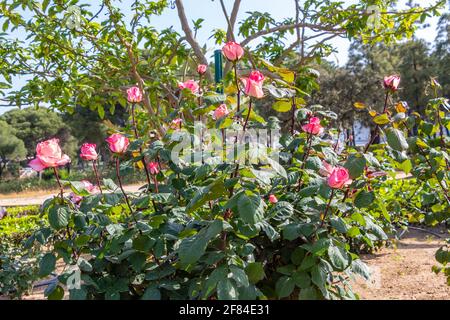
(38, 198)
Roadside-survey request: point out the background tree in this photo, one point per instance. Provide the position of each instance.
(441, 54)
(32, 126)
(11, 147)
(88, 56)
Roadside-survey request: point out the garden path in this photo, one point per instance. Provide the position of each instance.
(404, 270)
(38, 198)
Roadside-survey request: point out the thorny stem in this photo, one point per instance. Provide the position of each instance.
(120, 184)
(248, 115)
(294, 107)
(305, 157)
(328, 207)
(94, 165)
(136, 135)
(236, 79)
(61, 189)
(155, 181)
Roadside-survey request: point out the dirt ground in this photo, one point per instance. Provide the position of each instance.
(403, 272)
(38, 197)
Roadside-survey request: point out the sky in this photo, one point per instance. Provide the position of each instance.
(210, 10)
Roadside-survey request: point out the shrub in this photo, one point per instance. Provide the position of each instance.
(289, 228)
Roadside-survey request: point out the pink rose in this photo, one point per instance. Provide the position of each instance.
(118, 143)
(88, 152)
(338, 178)
(36, 165)
(253, 84)
(273, 199)
(201, 69)
(327, 169)
(134, 94)
(176, 123)
(153, 167)
(392, 83)
(233, 51)
(49, 155)
(313, 127)
(191, 85)
(221, 111)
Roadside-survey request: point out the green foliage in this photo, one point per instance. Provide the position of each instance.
(11, 147)
(205, 230)
(18, 265)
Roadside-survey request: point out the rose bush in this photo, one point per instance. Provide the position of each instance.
(283, 224)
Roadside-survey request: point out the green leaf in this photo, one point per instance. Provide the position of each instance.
(263, 176)
(58, 217)
(282, 106)
(47, 264)
(442, 256)
(84, 265)
(319, 247)
(308, 294)
(279, 93)
(278, 168)
(364, 199)
(361, 269)
(226, 290)
(101, 112)
(251, 208)
(283, 210)
(396, 140)
(56, 294)
(284, 287)
(191, 249)
(77, 294)
(302, 279)
(319, 276)
(353, 232)
(220, 273)
(211, 192)
(355, 165)
(79, 188)
(239, 276)
(381, 119)
(375, 229)
(406, 166)
(152, 293)
(339, 257)
(110, 185)
(255, 272)
(211, 98)
(339, 224)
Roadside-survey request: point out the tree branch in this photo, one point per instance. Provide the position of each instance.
(134, 60)
(286, 27)
(190, 37)
(231, 21)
